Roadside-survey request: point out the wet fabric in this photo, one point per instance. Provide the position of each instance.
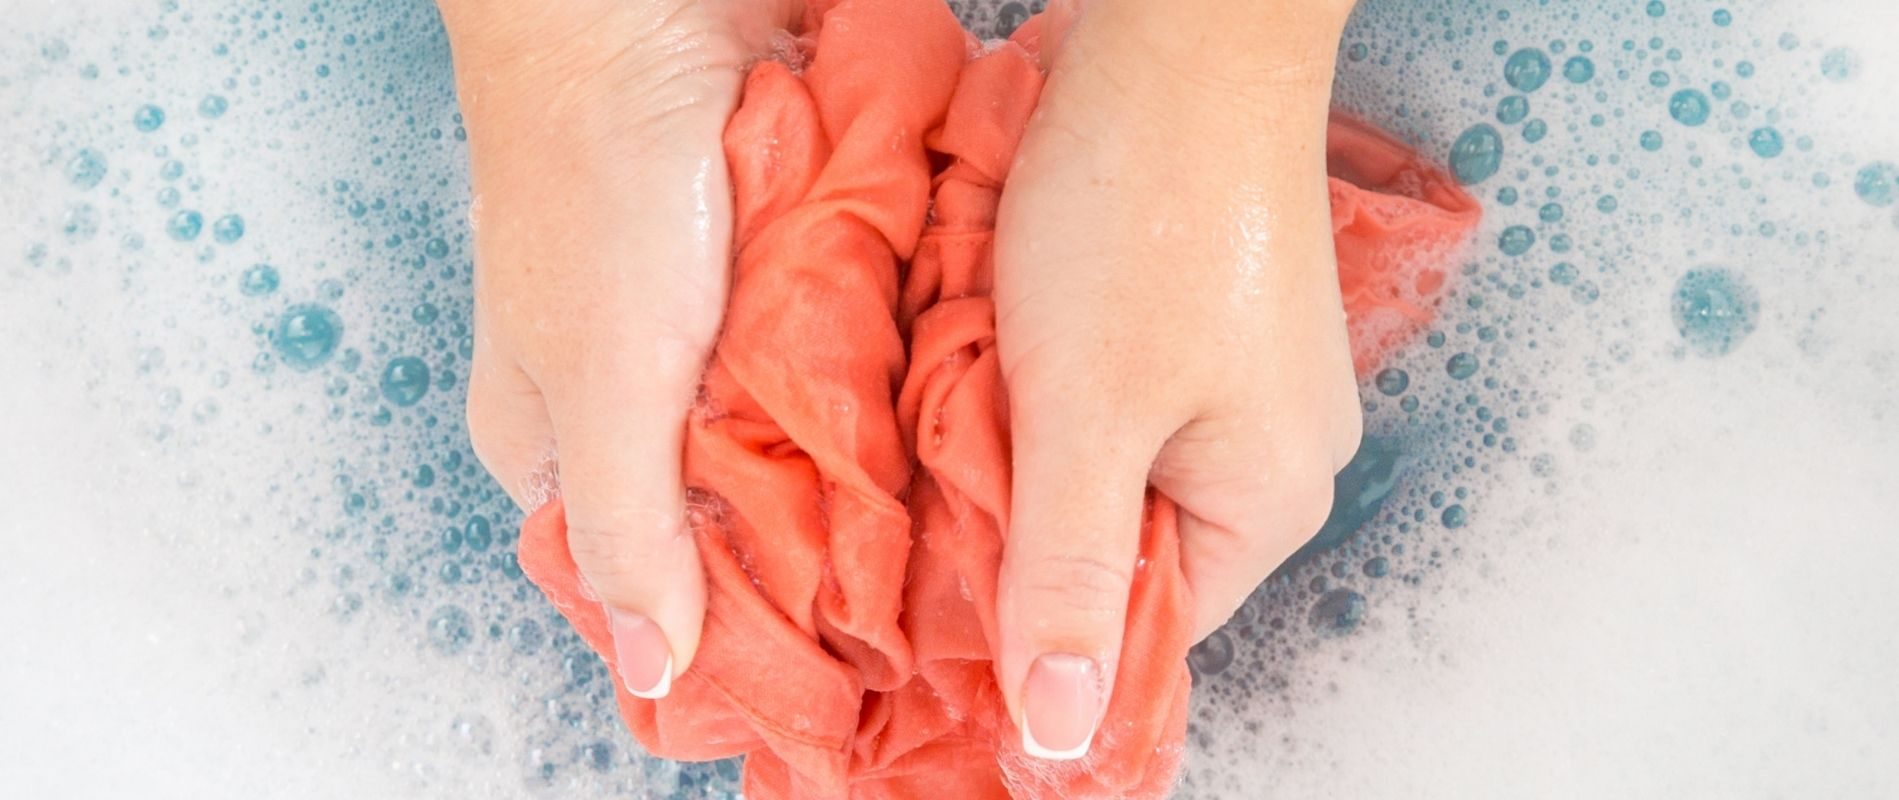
(848, 459)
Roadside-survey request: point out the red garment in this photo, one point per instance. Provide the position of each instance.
(844, 493)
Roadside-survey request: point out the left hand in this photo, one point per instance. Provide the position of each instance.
(1168, 312)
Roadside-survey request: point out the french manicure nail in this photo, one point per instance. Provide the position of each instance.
(1061, 705)
(640, 651)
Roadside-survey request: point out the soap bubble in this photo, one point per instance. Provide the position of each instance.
(1877, 183)
(1477, 154)
(1840, 65)
(405, 380)
(1516, 240)
(81, 223)
(1461, 366)
(258, 280)
(1453, 516)
(1212, 655)
(306, 336)
(1392, 381)
(1512, 109)
(526, 636)
(450, 630)
(1527, 70)
(1689, 107)
(478, 534)
(1579, 69)
(229, 228)
(1337, 612)
(185, 225)
(86, 168)
(1714, 309)
(147, 118)
(1765, 142)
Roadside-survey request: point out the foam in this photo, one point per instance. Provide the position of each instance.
(1668, 579)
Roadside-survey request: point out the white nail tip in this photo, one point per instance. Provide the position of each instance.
(1034, 748)
(660, 690)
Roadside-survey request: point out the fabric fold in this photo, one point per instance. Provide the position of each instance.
(848, 460)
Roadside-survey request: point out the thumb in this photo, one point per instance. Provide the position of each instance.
(620, 438)
(1073, 537)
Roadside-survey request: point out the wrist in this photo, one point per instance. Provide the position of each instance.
(576, 36)
(1252, 41)
(1249, 80)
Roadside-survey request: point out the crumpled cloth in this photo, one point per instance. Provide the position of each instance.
(848, 458)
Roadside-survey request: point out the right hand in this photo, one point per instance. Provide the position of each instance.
(602, 221)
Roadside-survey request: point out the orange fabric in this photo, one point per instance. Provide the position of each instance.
(848, 460)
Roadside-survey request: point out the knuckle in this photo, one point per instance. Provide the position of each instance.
(503, 419)
(662, 355)
(612, 554)
(488, 432)
(1301, 506)
(1096, 386)
(480, 418)
(1289, 506)
(1349, 433)
(1076, 588)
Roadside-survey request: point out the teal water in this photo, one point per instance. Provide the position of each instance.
(272, 245)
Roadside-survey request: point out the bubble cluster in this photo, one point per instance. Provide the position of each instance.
(1840, 65)
(330, 322)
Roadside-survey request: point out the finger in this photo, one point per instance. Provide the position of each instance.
(509, 428)
(1057, 20)
(1073, 537)
(1247, 502)
(620, 430)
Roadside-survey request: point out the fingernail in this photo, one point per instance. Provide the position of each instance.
(640, 651)
(1061, 705)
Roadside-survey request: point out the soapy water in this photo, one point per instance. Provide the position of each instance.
(1610, 531)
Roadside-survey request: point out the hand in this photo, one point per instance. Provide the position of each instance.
(602, 219)
(1168, 312)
